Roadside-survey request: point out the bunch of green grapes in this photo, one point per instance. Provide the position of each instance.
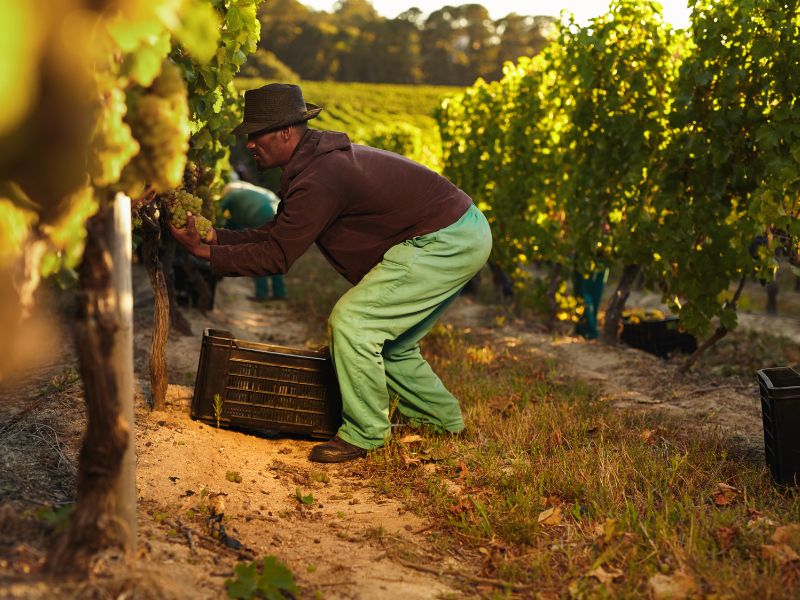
(178, 203)
(159, 120)
(191, 176)
(112, 145)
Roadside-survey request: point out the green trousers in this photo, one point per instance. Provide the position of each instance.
(376, 326)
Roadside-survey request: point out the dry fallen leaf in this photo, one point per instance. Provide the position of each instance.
(725, 536)
(677, 586)
(556, 439)
(781, 553)
(725, 494)
(788, 534)
(411, 460)
(647, 436)
(604, 576)
(217, 505)
(550, 516)
(410, 439)
(760, 522)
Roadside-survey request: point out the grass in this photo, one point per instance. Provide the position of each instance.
(552, 493)
(626, 493)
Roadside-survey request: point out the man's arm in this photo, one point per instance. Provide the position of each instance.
(228, 237)
(305, 215)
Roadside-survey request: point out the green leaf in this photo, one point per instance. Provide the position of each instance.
(144, 65)
(275, 578)
(271, 582)
(246, 583)
(309, 499)
(199, 30)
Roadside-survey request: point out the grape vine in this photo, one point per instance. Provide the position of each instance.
(628, 143)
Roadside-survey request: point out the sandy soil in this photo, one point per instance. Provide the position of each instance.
(179, 458)
(344, 544)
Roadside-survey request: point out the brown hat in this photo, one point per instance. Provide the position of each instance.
(275, 106)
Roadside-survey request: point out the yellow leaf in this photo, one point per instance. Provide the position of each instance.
(550, 516)
(410, 439)
(411, 460)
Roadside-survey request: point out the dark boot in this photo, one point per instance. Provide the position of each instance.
(336, 450)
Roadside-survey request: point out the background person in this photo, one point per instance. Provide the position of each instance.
(249, 206)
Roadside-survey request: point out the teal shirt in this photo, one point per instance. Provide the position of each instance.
(248, 208)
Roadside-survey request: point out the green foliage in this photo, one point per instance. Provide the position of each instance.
(400, 138)
(141, 86)
(233, 476)
(627, 143)
(453, 45)
(730, 173)
(269, 579)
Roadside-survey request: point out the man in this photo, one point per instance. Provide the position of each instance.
(406, 238)
(248, 206)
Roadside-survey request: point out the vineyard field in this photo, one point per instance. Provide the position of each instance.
(361, 110)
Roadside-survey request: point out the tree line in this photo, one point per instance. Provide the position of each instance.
(452, 46)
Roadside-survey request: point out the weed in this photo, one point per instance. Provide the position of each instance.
(303, 499)
(233, 476)
(56, 517)
(218, 404)
(268, 578)
(64, 380)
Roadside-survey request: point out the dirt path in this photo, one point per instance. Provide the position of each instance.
(340, 545)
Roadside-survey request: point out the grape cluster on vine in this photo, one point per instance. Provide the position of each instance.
(159, 120)
(181, 202)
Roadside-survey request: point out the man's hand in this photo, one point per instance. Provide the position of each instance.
(190, 239)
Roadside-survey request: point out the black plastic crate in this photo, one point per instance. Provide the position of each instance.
(266, 388)
(780, 411)
(661, 337)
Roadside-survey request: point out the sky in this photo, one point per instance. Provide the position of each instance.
(675, 11)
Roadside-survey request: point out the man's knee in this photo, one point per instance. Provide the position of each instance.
(342, 321)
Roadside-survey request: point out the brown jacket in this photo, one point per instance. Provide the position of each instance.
(354, 201)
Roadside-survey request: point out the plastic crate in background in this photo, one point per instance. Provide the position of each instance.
(780, 411)
(265, 388)
(661, 337)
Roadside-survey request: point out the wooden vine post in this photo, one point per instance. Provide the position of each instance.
(121, 244)
(105, 514)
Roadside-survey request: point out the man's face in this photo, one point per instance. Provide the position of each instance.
(268, 149)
